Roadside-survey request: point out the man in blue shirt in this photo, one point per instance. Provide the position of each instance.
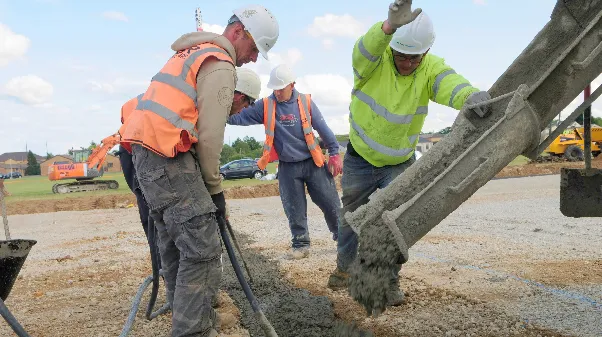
(301, 163)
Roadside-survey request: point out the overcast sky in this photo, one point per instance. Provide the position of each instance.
(67, 66)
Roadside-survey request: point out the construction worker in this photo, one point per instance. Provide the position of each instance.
(289, 118)
(248, 83)
(175, 135)
(395, 76)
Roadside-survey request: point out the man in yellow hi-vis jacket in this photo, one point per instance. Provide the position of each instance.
(395, 78)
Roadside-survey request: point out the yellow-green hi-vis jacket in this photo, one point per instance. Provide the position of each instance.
(388, 110)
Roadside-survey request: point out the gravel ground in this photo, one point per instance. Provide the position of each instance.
(506, 263)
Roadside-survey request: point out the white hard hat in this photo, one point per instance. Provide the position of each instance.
(281, 76)
(261, 24)
(415, 37)
(248, 82)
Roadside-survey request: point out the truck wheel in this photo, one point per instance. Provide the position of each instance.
(574, 153)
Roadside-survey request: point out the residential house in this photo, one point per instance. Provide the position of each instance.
(15, 162)
(427, 140)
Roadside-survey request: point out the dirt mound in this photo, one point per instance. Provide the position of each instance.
(532, 169)
(246, 192)
(86, 202)
(79, 203)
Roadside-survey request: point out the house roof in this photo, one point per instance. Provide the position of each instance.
(53, 158)
(18, 156)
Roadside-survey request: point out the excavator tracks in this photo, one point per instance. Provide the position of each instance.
(85, 186)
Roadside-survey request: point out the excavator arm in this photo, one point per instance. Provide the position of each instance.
(99, 153)
(558, 64)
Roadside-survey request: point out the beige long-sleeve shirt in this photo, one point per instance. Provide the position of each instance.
(216, 82)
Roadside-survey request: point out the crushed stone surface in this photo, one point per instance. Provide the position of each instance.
(506, 263)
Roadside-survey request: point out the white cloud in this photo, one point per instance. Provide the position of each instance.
(217, 29)
(327, 89)
(339, 124)
(331, 25)
(118, 85)
(13, 46)
(29, 89)
(328, 44)
(115, 16)
(479, 2)
(263, 68)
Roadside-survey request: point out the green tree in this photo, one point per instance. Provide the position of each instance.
(49, 155)
(445, 131)
(33, 168)
(92, 145)
(253, 144)
(227, 153)
(597, 120)
(241, 147)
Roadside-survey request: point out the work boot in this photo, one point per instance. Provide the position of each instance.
(338, 280)
(300, 253)
(395, 297)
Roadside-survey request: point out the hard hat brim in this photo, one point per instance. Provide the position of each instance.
(276, 87)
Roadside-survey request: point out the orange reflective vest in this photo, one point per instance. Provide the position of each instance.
(164, 120)
(269, 123)
(128, 107)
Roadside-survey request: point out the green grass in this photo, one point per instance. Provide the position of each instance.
(39, 187)
(520, 160)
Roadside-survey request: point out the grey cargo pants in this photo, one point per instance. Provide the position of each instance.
(189, 240)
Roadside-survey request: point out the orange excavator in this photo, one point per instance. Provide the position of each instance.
(87, 165)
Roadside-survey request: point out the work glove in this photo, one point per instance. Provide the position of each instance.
(400, 13)
(476, 98)
(220, 202)
(334, 165)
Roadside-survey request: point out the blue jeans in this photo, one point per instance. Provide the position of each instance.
(292, 179)
(360, 180)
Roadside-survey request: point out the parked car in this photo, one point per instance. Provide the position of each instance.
(242, 168)
(13, 175)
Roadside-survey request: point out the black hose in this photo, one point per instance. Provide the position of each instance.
(244, 263)
(263, 322)
(153, 254)
(12, 321)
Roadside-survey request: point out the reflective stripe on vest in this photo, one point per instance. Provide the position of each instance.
(165, 117)
(379, 147)
(269, 120)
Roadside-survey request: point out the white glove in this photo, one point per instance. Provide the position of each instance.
(400, 13)
(476, 98)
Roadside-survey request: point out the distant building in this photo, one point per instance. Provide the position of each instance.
(16, 162)
(427, 140)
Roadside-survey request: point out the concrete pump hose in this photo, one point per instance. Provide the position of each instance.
(263, 321)
(12, 321)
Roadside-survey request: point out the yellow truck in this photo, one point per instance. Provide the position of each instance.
(570, 144)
